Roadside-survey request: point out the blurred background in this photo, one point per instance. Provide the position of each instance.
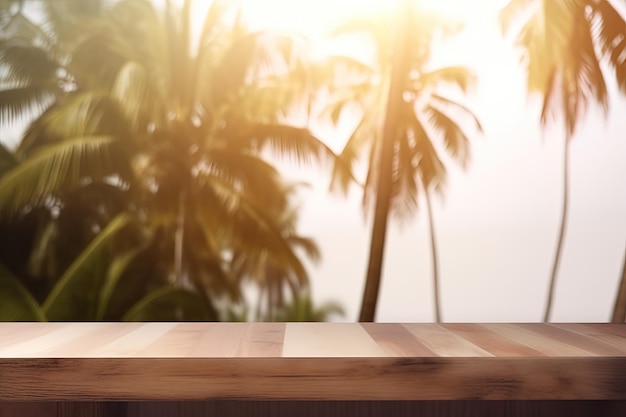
(231, 160)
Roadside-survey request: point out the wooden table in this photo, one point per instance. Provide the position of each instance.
(95, 367)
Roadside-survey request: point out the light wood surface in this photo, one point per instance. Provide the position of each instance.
(311, 361)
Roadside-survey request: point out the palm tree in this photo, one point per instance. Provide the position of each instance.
(276, 280)
(183, 130)
(565, 43)
(403, 159)
(619, 309)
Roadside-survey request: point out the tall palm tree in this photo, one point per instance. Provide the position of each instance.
(405, 156)
(619, 309)
(565, 43)
(182, 129)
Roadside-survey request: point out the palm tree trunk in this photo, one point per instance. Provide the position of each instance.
(435, 258)
(178, 240)
(385, 163)
(619, 311)
(559, 245)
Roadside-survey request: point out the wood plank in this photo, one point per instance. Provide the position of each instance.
(263, 340)
(613, 334)
(396, 340)
(586, 343)
(312, 361)
(549, 346)
(494, 343)
(48, 340)
(443, 342)
(330, 378)
(12, 333)
(129, 344)
(314, 340)
(219, 340)
(87, 344)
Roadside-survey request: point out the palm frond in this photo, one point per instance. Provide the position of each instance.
(306, 244)
(88, 113)
(26, 64)
(56, 167)
(114, 272)
(134, 91)
(454, 138)
(7, 160)
(404, 189)
(510, 13)
(75, 295)
(461, 77)
(247, 171)
(430, 166)
(171, 304)
(365, 134)
(463, 110)
(546, 38)
(609, 29)
(214, 21)
(245, 226)
(16, 302)
(297, 144)
(22, 102)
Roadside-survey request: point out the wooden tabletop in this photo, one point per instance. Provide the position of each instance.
(310, 361)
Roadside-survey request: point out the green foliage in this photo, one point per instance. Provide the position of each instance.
(146, 159)
(75, 296)
(16, 303)
(171, 304)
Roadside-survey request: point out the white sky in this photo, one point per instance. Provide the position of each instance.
(497, 227)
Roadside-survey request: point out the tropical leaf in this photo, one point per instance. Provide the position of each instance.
(21, 102)
(16, 303)
(7, 160)
(455, 140)
(512, 11)
(26, 64)
(81, 114)
(254, 176)
(137, 97)
(609, 30)
(171, 304)
(297, 144)
(463, 110)
(75, 295)
(461, 77)
(247, 227)
(56, 167)
(431, 168)
(114, 273)
(307, 245)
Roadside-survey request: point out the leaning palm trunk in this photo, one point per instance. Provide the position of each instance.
(178, 240)
(559, 245)
(435, 258)
(384, 181)
(619, 311)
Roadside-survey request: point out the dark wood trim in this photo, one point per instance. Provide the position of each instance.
(478, 408)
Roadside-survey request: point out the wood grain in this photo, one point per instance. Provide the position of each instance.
(311, 361)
